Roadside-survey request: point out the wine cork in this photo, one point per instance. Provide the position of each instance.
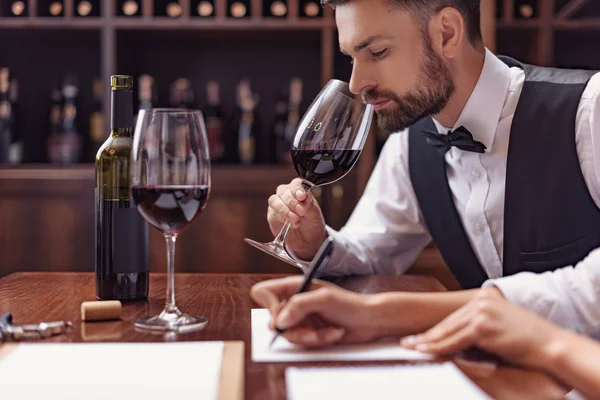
(100, 310)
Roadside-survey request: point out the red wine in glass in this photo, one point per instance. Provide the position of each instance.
(322, 166)
(170, 208)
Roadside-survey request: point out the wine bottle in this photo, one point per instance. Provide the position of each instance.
(275, 8)
(238, 9)
(122, 237)
(310, 9)
(280, 147)
(174, 9)
(56, 8)
(182, 94)
(18, 8)
(15, 153)
(69, 143)
(55, 125)
(246, 123)
(525, 9)
(87, 8)
(97, 131)
(204, 8)
(145, 94)
(6, 118)
(293, 117)
(129, 8)
(213, 117)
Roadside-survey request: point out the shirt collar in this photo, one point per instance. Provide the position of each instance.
(482, 112)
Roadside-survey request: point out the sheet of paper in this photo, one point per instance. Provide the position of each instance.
(435, 381)
(113, 371)
(284, 351)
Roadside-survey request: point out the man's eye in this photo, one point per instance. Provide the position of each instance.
(379, 54)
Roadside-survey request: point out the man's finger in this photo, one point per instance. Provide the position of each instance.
(302, 305)
(310, 337)
(454, 322)
(271, 293)
(460, 340)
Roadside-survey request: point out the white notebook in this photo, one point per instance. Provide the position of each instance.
(422, 382)
(284, 351)
(149, 371)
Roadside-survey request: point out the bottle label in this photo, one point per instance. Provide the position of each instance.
(214, 130)
(130, 240)
(122, 237)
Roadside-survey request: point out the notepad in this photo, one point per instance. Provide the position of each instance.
(113, 371)
(425, 381)
(284, 351)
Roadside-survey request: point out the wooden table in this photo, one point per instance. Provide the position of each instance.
(224, 300)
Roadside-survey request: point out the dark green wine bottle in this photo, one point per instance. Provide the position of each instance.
(122, 256)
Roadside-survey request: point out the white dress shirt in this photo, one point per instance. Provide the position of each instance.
(386, 231)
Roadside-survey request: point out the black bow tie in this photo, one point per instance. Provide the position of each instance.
(460, 138)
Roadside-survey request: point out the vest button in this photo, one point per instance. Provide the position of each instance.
(480, 228)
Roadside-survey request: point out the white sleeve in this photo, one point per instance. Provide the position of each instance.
(570, 297)
(386, 232)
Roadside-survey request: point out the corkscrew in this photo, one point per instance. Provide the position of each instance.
(10, 332)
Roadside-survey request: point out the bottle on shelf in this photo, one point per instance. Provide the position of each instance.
(55, 125)
(122, 236)
(56, 8)
(97, 131)
(87, 8)
(15, 153)
(14, 8)
(6, 116)
(238, 8)
(203, 8)
(310, 9)
(293, 116)
(275, 8)
(70, 138)
(280, 148)
(245, 123)
(174, 9)
(213, 117)
(182, 94)
(525, 9)
(129, 8)
(146, 96)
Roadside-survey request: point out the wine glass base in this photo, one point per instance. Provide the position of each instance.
(172, 322)
(276, 251)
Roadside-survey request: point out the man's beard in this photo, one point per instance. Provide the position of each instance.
(434, 88)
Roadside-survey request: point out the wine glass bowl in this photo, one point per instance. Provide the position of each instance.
(327, 144)
(170, 187)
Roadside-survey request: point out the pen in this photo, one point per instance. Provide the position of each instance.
(321, 259)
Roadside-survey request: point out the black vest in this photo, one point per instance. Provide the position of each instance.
(550, 219)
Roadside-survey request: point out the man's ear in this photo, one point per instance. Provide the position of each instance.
(447, 30)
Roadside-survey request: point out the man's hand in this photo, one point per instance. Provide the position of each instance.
(492, 324)
(293, 203)
(322, 316)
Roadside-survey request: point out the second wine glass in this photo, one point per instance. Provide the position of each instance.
(327, 144)
(170, 187)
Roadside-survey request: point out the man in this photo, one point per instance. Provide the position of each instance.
(497, 162)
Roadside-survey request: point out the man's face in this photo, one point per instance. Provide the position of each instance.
(394, 65)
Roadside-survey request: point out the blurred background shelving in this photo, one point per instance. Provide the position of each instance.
(268, 42)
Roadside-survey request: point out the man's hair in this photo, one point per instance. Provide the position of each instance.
(423, 10)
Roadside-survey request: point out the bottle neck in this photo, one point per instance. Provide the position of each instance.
(121, 116)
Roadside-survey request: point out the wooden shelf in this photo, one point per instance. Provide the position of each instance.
(52, 23)
(577, 24)
(219, 24)
(518, 24)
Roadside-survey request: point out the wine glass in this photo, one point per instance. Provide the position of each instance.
(327, 144)
(170, 187)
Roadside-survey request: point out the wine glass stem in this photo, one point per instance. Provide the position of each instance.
(170, 299)
(280, 239)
